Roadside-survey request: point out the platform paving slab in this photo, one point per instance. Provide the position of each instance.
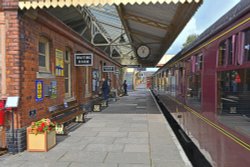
(116, 137)
(128, 158)
(91, 164)
(105, 147)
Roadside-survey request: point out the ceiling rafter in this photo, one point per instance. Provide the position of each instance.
(144, 34)
(146, 21)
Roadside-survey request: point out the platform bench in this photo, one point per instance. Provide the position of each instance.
(65, 113)
(97, 104)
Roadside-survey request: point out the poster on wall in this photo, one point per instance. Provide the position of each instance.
(59, 63)
(53, 89)
(39, 90)
(95, 80)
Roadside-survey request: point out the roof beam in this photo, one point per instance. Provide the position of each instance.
(121, 11)
(144, 34)
(146, 21)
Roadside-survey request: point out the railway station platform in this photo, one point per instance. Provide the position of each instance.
(131, 132)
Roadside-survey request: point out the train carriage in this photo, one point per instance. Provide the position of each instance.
(206, 88)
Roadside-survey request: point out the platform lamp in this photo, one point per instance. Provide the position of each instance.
(122, 39)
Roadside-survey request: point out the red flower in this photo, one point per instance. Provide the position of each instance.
(41, 126)
(40, 129)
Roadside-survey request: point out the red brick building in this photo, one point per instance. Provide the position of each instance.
(33, 43)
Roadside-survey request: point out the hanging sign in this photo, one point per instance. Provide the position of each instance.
(83, 59)
(108, 68)
(59, 63)
(117, 72)
(39, 90)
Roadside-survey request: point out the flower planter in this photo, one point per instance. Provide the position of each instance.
(40, 142)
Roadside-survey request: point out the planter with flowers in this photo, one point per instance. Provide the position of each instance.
(41, 135)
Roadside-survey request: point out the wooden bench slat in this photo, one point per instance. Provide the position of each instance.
(64, 110)
(61, 115)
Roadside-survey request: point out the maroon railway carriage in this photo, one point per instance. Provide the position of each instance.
(206, 87)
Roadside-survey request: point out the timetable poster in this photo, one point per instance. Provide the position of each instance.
(59, 63)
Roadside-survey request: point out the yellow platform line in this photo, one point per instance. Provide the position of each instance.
(220, 129)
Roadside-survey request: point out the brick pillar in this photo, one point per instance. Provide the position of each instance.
(13, 67)
(12, 45)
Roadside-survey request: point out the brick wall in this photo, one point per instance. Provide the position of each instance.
(32, 25)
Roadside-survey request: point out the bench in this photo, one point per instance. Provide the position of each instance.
(97, 104)
(65, 113)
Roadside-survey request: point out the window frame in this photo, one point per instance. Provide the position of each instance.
(46, 68)
(245, 57)
(68, 93)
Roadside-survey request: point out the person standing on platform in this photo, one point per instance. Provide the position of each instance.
(125, 87)
(105, 89)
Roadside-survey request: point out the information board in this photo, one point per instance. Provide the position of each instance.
(12, 102)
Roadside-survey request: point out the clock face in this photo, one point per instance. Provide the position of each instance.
(143, 51)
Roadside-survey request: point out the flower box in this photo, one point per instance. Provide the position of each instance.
(41, 135)
(41, 141)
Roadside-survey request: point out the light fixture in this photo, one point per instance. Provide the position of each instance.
(122, 40)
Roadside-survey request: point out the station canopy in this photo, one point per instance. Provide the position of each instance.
(120, 27)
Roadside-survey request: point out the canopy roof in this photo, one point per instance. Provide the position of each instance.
(62, 3)
(121, 28)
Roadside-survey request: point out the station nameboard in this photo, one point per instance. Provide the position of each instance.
(108, 69)
(83, 59)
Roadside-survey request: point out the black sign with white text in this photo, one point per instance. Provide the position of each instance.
(83, 59)
(108, 69)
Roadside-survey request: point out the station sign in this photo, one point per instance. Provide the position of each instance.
(108, 68)
(117, 72)
(83, 59)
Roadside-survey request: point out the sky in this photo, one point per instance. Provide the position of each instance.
(209, 12)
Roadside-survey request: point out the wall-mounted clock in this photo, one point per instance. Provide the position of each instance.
(143, 51)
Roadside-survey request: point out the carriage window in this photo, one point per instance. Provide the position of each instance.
(247, 45)
(198, 63)
(222, 54)
(193, 96)
(230, 51)
(233, 99)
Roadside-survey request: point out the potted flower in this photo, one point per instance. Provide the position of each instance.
(41, 135)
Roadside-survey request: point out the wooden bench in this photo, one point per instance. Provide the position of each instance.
(65, 113)
(97, 104)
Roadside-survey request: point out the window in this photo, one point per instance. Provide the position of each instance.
(198, 62)
(233, 99)
(226, 52)
(247, 46)
(67, 73)
(193, 80)
(222, 54)
(43, 54)
(230, 51)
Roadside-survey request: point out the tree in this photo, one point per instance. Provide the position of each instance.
(190, 39)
